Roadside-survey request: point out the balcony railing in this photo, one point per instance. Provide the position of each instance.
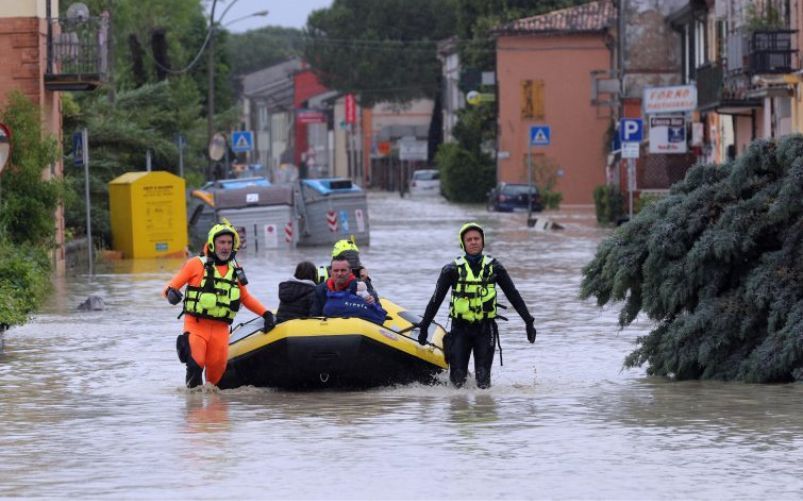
(77, 53)
(709, 85)
(718, 91)
(761, 52)
(771, 51)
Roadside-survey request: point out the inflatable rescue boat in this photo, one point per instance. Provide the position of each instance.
(350, 353)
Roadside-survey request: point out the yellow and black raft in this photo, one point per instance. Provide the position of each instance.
(349, 353)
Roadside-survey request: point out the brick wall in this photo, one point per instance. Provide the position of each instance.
(23, 62)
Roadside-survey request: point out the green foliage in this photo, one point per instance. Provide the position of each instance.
(24, 282)
(27, 213)
(718, 266)
(28, 202)
(476, 19)
(383, 50)
(467, 172)
(465, 176)
(608, 204)
(646, 199)
(545, 177)
(258, 49)
(120, 133)
(551, 199)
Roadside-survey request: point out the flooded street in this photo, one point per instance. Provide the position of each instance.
(92, 404)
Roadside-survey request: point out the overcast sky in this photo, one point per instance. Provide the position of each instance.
(287, 13)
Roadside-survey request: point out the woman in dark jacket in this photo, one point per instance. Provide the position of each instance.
(296, 294)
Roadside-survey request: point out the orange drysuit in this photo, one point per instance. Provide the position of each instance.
(209, 339)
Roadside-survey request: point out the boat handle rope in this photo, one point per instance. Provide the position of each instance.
(412, 327)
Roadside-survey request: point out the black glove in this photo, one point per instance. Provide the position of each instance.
(422, 334)
(531, 332)
(174, 296)
(270, 321)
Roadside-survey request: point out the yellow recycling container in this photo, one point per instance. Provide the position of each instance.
(148, 214)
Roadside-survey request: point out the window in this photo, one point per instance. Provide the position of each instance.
(532, 99)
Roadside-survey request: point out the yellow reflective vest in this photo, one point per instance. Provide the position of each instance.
(474, 297)
(218, 296)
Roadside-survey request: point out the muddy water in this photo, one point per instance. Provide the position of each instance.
(92, 404)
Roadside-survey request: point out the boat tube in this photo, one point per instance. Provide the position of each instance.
(347, 353)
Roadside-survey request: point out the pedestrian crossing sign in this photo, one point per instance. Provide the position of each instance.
(242, 141)
(540, 135)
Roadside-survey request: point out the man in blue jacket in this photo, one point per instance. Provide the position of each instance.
(343, 295)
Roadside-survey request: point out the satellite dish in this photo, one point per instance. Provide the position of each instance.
(78, 12)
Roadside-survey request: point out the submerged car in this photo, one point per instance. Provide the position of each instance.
(509, 197)
(425, 182)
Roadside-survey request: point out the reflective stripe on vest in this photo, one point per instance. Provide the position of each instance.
(474, 297)
(218, 296)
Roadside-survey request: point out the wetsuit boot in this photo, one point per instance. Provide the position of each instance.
(195, 374)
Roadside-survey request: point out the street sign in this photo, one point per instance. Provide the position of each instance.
(668, 134)
(631, 130)
(474, 98)
(351, 109)
(217, 146)
(630, 150)
(5, 145)
(413, 150)
(540, 135)
(242, 141)
(669, 99)
(78, 149)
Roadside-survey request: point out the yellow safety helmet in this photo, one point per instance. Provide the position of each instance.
(344, 245)
(470, 226)
(222, 228)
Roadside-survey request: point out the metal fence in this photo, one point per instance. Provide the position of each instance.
(78, 46)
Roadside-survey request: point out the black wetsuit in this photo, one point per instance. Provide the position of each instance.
(465, 336)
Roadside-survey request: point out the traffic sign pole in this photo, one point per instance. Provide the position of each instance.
(529, 184)
(631, 185)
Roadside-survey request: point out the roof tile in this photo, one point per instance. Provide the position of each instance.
(589, 17)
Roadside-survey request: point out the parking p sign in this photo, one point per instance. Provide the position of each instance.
(631, 130)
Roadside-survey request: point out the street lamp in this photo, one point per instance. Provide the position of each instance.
(210, 100)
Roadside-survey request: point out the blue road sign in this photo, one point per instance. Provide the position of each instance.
(540, 135)
(78, 149)
(631, 130)
(242, 141)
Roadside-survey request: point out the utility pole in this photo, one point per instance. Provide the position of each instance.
(210, 96)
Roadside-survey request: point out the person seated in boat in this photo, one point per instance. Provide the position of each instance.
(347, 248)
(295, 294)
(343, 295)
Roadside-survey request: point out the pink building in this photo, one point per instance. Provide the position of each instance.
(545, 70)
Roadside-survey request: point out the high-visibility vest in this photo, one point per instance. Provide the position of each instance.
(474, 297)
(323, 273)
(218, 296)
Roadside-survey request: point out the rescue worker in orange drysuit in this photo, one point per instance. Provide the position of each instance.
(215, 288)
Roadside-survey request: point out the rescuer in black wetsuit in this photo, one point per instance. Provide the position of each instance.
(472, 308)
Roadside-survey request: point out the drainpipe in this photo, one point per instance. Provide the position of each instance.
(48, 13)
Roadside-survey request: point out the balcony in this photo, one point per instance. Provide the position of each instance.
(761, 52)
(77, 53)
(728, 95)
(770, 52)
